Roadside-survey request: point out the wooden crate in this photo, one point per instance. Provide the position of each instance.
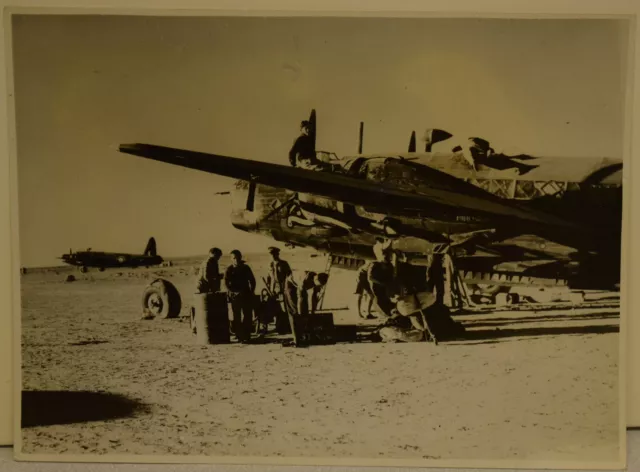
(313, 330)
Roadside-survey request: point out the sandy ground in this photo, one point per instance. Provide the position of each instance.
(525, 385)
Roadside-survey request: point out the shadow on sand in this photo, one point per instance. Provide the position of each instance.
(342, 334)
(491, 336)
(494, 330)
(495, 322)
(46, 408)
(512, 332)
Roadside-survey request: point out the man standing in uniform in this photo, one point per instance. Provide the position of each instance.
(381, 276)
(279, 270)
(297, 289)
(210, 278)
(241, 284)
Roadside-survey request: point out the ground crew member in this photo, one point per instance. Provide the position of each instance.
(436, 278)
(279, 270)
(363, 289)
(241, 284)
(303, 149)
(210, 278)
(381, 278)
(393, 284)
(297, 289)
(303, 152)
(413, 300)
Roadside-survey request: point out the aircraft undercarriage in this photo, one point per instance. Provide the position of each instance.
(466, 289)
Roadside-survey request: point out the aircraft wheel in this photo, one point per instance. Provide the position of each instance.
(83, 269)
(161, 299)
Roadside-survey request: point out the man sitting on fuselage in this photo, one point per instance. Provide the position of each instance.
(303, 152)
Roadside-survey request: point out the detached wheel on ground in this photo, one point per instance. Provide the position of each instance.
(161, 299)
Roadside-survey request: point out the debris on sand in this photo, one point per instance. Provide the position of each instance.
(70, 278)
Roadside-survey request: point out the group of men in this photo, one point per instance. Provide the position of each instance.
(295, 287)
(392, 286)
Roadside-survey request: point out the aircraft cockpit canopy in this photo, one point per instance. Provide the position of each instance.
(370, 168)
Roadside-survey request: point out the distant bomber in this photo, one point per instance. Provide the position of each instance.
(104, 260)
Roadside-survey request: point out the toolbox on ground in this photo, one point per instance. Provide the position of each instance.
(313, 330)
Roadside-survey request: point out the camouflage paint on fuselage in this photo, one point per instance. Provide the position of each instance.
(561, 186)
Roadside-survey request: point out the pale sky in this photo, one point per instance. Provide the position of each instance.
(240, 86)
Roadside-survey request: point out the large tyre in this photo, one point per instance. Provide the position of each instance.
(161, 299)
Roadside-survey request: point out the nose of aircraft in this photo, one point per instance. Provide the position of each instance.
(243, 220)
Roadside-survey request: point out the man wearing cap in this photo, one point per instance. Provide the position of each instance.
(210, 278)
(297, 289)
(303, 150)
(279, 270)
(241, 284)
(381, 278)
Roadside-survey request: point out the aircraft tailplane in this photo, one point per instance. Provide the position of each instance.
(151, 249)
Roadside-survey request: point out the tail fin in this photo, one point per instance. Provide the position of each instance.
(434, 135)
(312, 126)
(151, 250)
(412, 142)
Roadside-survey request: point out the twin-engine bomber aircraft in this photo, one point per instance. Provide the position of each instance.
(504, 219)
(104, 260)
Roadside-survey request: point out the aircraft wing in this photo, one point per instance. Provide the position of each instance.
(437, 201)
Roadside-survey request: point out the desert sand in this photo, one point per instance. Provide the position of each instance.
(97, 379)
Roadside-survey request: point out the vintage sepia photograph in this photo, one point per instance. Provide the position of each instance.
(321, 240)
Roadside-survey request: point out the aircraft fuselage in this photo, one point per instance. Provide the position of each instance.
(105, 260)
(586, 191)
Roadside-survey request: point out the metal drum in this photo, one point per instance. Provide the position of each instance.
(211, 318)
